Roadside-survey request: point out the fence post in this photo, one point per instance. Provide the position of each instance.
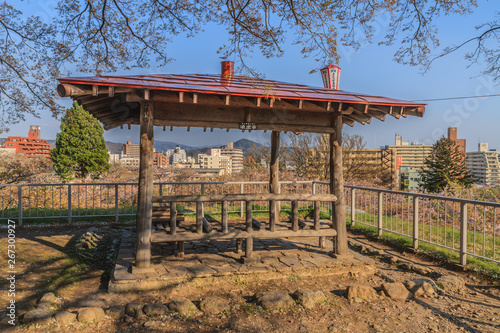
(463, 233)
(380, 211)
(415, 222)
(70, 211)
(353, 206)
(116, 203)
(313, 187)
(203, 204)
(241, 202)
(20, 204)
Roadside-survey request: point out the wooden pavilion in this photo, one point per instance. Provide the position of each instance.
(227, 101)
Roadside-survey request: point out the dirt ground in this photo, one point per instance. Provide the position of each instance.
(46, 261)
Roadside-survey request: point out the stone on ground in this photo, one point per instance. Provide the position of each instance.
(134, 310)
(395, 290)
(363, 292)
(116, 312)
(90, 314)
(451, 282)
(214, 305)
(308, 297)
(48, 298)
(154, 309)
(44, 306)
(65, 317)
(422, 270)
(38, 316)
(273, 300)
(420, 287)
(183, 306)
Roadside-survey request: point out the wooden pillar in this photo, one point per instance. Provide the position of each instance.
(145, 194)
(337, 185)
(274, 183)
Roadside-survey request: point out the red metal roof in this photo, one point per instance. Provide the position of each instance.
(238, 85)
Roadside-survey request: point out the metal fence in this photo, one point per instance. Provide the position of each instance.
(467, 226)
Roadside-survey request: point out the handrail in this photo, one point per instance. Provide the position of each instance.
(420, 195)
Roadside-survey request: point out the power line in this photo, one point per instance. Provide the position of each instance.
(451, 98)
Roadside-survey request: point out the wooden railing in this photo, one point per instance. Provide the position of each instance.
(252, 228)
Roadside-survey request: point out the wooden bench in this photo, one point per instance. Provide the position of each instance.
(248, 230)
(161, 217)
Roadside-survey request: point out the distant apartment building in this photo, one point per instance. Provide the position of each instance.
(236, 156)
(31, 146)
(214, 160)
(177, 155)
(461, 143)
(131, 150)
(131, 153)
(484, 165)
(411, 157)
(409, 179)
(114, 158)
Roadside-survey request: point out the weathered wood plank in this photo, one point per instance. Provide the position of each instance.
(161, 236)
(245, 197)
(337, 186)
(257, 224)
(207, 227)
(274, 183)
(145, 195)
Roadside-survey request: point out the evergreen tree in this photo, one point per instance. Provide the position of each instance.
(80, 147)
(444, 166)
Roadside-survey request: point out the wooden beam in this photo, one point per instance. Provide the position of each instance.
(274, 182)
(162, 236)
(337, 186)
(111, 91)
(245, 197)
(145, 195)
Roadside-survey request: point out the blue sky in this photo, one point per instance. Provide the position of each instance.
(370, 70)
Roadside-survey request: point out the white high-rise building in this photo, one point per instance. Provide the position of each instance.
(177, 155)
(236, 156)
(484, 165)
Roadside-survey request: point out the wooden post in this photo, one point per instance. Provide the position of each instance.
(144, 204)
(337, 185)
(272, 215)
(274, 183)
(248, 222)
(199, 216)
(225, 217)
(173, 218)
(295, 215)
(180, 250)
(316, 214)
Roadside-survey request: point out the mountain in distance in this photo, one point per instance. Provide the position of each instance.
(112, 147)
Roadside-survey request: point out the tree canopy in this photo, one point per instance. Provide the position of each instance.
(444, 167)
(105, 35)
(80, 147)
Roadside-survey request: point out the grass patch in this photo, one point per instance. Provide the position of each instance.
(483, 267)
